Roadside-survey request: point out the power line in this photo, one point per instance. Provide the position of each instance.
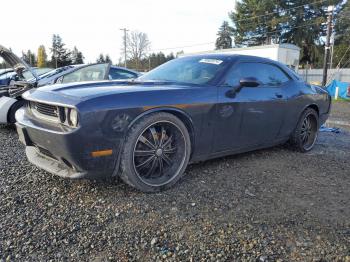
(337, 71)
(179, 47)
(207, 43)
(266, 33)
(275, 12)
(315, 23)
(338, 68)
(343, 56)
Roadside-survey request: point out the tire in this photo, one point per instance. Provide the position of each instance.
(11, 114)
(156, 152)
(305, 134)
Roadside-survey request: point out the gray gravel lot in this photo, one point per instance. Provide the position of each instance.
(269, 205)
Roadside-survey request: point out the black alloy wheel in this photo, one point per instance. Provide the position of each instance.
(159, 153)
(308, 132)
(305, 134)
(156, 152)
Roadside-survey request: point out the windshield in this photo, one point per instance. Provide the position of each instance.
(55, 71)
(191, 70)
(39, 71)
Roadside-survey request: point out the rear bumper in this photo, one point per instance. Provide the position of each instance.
(67, 154)
(323, 118)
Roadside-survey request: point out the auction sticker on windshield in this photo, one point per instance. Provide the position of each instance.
(211, 61)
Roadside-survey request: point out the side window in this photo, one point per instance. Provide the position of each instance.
(275, 76)
(115, 73)
(88, 73)
(267, 74)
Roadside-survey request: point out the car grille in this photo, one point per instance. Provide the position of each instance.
(45, 111)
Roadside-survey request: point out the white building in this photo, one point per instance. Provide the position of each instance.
(288, 54)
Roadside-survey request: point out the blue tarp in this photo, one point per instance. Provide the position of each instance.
(336, 130)
(344, 89)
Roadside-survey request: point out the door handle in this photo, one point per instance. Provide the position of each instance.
(278, 95)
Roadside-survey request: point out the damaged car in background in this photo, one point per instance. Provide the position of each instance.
(8, 77)
(146, 131)
(24, 78)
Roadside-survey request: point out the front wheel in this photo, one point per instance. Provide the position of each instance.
(156, 152)
(306, 132)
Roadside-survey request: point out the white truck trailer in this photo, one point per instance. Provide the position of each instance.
(287, 54)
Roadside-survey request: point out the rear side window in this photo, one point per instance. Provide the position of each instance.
(115, 73)
(88, 73)
(267, 74)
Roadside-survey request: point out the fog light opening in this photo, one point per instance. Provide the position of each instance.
(66, 162)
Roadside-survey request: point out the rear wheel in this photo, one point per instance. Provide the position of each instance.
(306, 132)
(156, 153)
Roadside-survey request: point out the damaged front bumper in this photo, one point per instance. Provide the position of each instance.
(67, 154)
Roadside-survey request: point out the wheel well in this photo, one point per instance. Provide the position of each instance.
(181, 115)
(314, 107)
(12, 110)
(187, 123)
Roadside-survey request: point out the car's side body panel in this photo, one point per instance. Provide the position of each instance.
(220, 122)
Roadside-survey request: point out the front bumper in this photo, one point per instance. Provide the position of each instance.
(67, 154)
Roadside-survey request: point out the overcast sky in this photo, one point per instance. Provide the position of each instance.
(93, 26)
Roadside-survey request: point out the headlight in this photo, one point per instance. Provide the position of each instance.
(72, 117)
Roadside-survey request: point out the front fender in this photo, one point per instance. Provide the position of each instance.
(163, 109)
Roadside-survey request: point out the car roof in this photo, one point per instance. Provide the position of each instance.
(230, 57)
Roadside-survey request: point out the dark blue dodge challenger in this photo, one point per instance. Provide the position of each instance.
(190, 109)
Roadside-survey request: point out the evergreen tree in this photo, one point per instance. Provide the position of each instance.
(342, 25)
(108, 59)
(251, 25)
(100, 59)
(61, 56)
(42, 56)
(104, 59)
(279, 21)
(152, 61)
(224, 39)
(77, 56)
(341, 52)
(170, 57)
(179, 53)
(29, 57)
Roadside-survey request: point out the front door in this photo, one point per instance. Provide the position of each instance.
(252, 116)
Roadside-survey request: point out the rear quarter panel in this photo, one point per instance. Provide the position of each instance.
(300, 96)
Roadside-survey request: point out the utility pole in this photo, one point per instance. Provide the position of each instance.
(327, 47)
(332, 49)
(125, 32)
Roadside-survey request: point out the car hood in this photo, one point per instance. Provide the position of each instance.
(14, 61)
(73, 93)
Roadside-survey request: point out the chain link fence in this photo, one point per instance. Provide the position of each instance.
(315, 75)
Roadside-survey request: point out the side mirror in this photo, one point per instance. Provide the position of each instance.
(249, 82)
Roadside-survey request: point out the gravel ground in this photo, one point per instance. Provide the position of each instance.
(269, 205)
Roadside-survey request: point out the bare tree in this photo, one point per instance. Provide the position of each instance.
(137, 46)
